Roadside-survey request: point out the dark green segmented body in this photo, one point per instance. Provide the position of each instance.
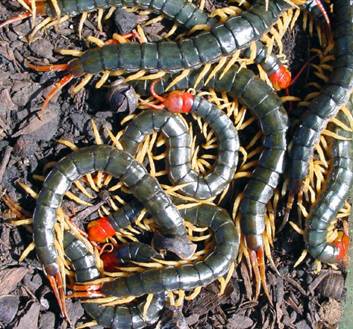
(125, 215)
(184, 13)
(207, 47)
(119, 164)
(332, 199)
(270, 64)
(116, 317)
(333, 96)
(188, 276)
(179, 150)
(263, 102)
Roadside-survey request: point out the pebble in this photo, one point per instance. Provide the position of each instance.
(124, 21)
(42, 48)
(47, 320)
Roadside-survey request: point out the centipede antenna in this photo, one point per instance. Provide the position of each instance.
(48, 68)
(297, 76)
(16, 19)
(58, 86)
(153, 92)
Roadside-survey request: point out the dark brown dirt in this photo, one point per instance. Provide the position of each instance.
(27, 143)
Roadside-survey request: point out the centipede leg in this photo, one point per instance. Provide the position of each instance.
(86, 291)
(324, 12)
(54, 90)
(287, 211)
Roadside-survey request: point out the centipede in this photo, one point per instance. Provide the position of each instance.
(105, 158)
(223, 40)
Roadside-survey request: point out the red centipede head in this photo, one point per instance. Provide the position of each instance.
(100, 230)
(342, 245)
(178, 102)
(281, 79)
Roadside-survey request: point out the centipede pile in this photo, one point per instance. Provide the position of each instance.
(218, 147)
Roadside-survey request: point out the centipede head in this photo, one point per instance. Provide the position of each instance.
(100, 230)
(176, 101)
(281, 79)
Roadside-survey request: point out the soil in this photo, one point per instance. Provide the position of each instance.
(28, 141)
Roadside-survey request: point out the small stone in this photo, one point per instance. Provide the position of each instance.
(33, 282)
(30, 319)
(25, 146)
(124, 21)
(331, 312)
(75, 310)
(22, 92)
(47, 320)
(42, 48)
(8, 308)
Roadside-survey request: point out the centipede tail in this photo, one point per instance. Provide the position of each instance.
(188, 276)
(117, 317)
(333, 96)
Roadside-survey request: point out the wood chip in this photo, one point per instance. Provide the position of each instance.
(9, 279)
(30, 318)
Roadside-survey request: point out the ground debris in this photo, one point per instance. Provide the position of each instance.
(238, 321)
(9, 279)
(29, 320)
(42, 126)
(173, 318)
(8, 308)
(331, 312)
